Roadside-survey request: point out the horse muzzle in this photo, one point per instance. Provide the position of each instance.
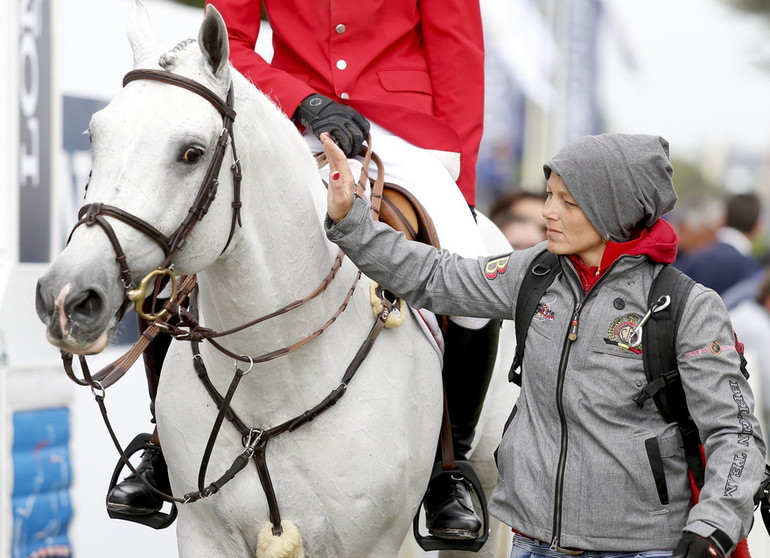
(78, 318)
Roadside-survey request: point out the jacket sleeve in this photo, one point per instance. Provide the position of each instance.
(722, 405)
(243, 20)
(440, 281)
(454, 46)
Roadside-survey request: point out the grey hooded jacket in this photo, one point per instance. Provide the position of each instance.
(577, 459)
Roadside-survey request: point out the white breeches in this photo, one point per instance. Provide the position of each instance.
(422, 173)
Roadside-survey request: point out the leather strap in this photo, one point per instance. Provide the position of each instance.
(256, 439)
(445, 439)
(92, 214)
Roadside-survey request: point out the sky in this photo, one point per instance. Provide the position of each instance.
(697, 79)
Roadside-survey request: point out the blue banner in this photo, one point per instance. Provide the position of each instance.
(42, 475)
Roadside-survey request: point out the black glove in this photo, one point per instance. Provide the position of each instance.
(346, 127)
(695, 546)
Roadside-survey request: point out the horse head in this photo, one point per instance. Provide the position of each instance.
(156, 156)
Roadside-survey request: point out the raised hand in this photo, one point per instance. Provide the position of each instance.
(339, 198)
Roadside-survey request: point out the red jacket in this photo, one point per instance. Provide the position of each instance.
(415, 67)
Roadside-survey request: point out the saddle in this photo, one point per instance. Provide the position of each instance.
(403, 212)
(393, 204)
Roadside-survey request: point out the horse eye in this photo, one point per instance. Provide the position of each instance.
(192, 154)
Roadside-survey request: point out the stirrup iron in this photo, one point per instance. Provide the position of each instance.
(430, 542)
(157, 520)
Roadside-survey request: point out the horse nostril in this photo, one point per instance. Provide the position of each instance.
(85, 305)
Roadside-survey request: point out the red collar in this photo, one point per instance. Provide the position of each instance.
(658, 243)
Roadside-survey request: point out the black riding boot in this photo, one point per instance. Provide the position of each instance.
(469, 359)
(132, 496)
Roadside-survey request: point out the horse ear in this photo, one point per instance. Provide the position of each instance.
(140, 35)
(212, 39)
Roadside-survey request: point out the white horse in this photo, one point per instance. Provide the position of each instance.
(352, 479)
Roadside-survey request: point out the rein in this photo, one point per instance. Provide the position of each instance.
(254, 439)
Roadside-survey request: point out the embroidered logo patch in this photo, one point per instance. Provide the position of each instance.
(715, 348)
(544, 312)
(496, 267)
(620, 330)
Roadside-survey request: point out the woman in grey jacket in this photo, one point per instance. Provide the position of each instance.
(574, 472)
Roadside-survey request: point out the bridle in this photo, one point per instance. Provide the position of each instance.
(254, 439)
(94, 213)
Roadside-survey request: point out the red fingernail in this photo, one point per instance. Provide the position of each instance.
(335, 175)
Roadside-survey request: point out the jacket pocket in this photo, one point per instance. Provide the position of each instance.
(543, 325)
(656, 465)
(416, 80)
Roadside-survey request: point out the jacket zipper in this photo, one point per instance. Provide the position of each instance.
(572, 335)
(559, 488)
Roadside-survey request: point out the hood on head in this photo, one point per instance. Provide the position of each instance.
(622, 182)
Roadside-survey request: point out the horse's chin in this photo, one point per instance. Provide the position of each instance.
(76, 347)
(94, 348)
(77, 342)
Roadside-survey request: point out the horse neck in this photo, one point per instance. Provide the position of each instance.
(280, 254)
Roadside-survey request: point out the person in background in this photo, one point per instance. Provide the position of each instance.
(742, 229)
(705, 257)
(410, 75)
(582, 468)
(742, 225)
(519, 215)
(696, 221)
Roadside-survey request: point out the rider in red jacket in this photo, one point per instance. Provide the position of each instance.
(411, 72)
(414, 67)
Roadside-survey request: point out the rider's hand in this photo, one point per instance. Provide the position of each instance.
(339, 198)
(695, 546)
(321, 114)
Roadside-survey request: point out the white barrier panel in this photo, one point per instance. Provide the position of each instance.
(34, 397)
(7, 228)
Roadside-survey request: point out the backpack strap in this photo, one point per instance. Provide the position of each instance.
(660, 366)
(539, 276)
(659, 353)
